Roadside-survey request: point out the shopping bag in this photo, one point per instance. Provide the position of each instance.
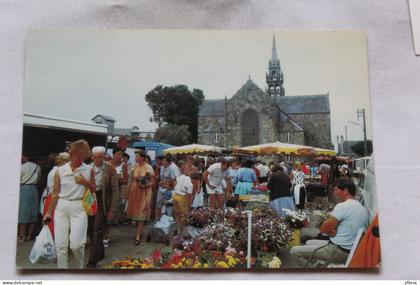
(198, 200)
(89, 202)
(43, 250)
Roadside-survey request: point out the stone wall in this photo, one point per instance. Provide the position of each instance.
(207, 126)
(251, 96)
(317, 129)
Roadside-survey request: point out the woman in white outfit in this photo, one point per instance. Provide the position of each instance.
(70, 218)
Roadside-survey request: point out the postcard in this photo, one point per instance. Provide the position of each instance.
(197, 150)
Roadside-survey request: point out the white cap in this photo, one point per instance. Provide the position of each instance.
(98, 149)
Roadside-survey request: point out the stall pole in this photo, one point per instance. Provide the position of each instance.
(248, 257)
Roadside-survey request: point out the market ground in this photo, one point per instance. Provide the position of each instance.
(122, 245)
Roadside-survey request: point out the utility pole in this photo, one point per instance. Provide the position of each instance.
(362, 113)
(226, 124)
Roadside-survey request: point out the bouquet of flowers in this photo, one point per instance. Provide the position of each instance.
(296, 219)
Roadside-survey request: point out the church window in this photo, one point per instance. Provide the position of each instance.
(249, 127)
(216, 137)
(278, 89)
(288, 137)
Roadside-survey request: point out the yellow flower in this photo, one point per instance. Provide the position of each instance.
(206, 265)
(197, 265)
(222, 264)
(231, 261)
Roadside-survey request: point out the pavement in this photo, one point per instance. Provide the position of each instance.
(121, 245)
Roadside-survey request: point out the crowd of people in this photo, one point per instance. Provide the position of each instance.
(142, 193)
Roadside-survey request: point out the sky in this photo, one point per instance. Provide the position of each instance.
(76, 74)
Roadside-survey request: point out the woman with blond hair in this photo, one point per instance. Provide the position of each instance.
(140, 193)
(70, 218)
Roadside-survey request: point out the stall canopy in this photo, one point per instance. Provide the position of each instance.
(194, 149)
(275, 148)
(324, 152)
(282, 148)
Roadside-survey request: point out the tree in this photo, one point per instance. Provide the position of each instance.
(173, 134)
(357, 148)
(176, 105)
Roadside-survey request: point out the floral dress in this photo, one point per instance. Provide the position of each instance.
(140, 199)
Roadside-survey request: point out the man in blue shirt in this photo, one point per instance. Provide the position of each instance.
(342, 227)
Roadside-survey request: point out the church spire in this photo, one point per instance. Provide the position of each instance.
(274, 76)
(274, 50)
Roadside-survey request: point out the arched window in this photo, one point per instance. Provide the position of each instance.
(274, 75)
(250, 127)
(288, 136)
(278, 89)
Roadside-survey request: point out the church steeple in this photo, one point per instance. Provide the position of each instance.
(274, 76)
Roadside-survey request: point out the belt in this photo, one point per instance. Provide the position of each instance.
(28, 184)
(339, 247)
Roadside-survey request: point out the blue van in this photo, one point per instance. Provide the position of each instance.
(152, 148)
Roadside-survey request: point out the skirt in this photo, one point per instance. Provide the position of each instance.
(242, 188)
(282, 202)
(28, 204)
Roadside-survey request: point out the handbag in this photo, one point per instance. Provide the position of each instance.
(89, 202)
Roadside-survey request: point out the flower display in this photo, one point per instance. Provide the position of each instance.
(295, 219)
(202, 217)
(268, 235)
(217, 236)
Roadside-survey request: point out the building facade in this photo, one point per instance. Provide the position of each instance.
(254, 116)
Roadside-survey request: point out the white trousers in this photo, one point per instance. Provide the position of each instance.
(70, 226)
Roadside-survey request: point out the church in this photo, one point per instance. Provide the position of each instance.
(255, 116)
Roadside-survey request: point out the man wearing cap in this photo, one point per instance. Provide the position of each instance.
(107, 196)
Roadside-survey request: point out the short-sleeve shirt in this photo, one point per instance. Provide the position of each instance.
(233, 174)
(247, 175)
(183, 185)
(29, 173)
(168, 173)
(351, 216)
(216, 175)
(69, 189)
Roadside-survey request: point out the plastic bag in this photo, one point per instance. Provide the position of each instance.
(43, 250)
(198, 200)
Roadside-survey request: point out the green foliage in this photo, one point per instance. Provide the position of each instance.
(358, 148)
(176, 105)
(176, 135)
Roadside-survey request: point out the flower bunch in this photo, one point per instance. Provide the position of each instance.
(262, 188)
(295, 219)
(131, 263)
(217, 236)
(268, 234)
(201, 217)
(262, 210)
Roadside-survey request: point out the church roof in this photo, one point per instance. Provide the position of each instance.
(212, 108)
(304, 104)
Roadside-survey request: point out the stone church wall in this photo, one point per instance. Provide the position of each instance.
(317, 129)
(205, 137)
